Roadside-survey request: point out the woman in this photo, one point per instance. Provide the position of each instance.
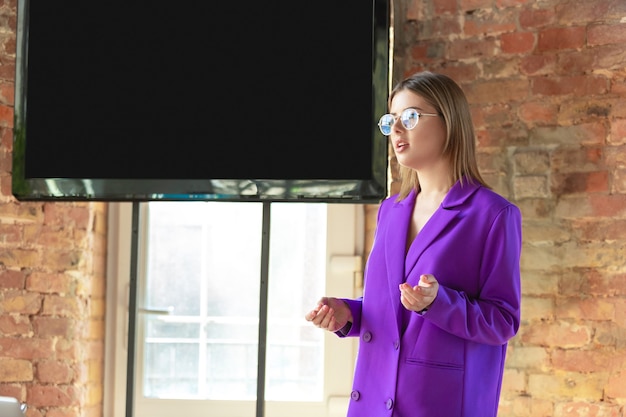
(441, 295)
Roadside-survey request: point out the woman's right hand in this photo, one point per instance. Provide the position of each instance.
(329, 314)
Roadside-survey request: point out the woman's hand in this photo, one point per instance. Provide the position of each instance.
(422, 295)
(329, 314)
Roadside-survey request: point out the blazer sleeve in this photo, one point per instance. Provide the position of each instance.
(492, 317)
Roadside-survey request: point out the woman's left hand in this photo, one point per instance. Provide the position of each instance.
(420, 296)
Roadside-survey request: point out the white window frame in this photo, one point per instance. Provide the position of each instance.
(344, 259)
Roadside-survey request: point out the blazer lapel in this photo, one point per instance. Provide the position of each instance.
(450, 208)
(395, 238)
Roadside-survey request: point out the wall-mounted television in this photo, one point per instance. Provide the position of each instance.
(203, 100)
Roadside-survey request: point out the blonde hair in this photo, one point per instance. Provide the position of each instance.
(460, 147)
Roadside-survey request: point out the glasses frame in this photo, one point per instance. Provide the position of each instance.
(402, 113)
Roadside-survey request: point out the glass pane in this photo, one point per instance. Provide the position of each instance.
(203, 260)
(295, 354)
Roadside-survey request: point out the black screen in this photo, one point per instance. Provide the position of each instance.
(202, 100)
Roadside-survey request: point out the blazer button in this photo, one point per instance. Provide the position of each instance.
(355, 395)
(367, 336)
(396, 344)
(389, 404)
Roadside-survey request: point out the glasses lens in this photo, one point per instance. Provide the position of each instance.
(409, 118)
(385, 123)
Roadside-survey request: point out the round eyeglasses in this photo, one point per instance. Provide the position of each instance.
(409, 118)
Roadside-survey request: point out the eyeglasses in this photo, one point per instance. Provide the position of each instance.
(409, 118)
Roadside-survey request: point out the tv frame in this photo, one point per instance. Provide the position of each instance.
(348, 190)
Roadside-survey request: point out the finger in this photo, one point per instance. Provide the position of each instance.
(428, 279)
(409, 293)
(311, 315)
(314, 312)
(328, 317)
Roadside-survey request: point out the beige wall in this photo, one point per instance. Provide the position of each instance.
(547, 84)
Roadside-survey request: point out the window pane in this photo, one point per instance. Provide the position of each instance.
(295, 355)
(203, 260)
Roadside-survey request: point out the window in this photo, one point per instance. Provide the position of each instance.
(198, 298)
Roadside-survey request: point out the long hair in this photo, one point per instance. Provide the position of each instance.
(450, 102)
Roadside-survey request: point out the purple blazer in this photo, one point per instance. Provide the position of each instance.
(448, 361)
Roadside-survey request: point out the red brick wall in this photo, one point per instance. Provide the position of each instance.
(52, 283)
(547, 84)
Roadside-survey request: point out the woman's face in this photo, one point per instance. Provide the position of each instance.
(421, 146)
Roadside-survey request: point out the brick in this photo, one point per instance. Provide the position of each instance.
(599, 229)
(616, 386)
(16, 258)
(590, 309)
(15, 325)
(589, 254)
(576, 62)
(535, 113)
(567, 385)
(602, 34)
(53, 396)
(495, 115)
(54, 372)
(527, 357)
(63, 260)
(615, 155)
(619, 181)
(604, 283)
(22, 302)
(491, 161)
(503, 137)
(577, 158)
(608, 334)
(11, 279)
(611, 205)
(538, 64)
(585, 134)
(540, 257)
(513, 380)
(51, 283)
(586, 409)
(569, 85)
(612, 57)
(539, 283)
(67, 412)
(488, 21)
(536, 208)
(10, 234)
(530, 186)
(46, 327)
(442, 7)
(586, 361)
(617, 132)
(497, 91)
(15, 370)
(6, 116)
(555, 39)
(517, 42)
(438, 29)
(534, 308)
(580, 182)
(62, 306)
(501, 67)
(563, 334)
(530, 18)
(7, 93)
(532, 161)
(587, 110)
(463, 49)
(26, 348)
